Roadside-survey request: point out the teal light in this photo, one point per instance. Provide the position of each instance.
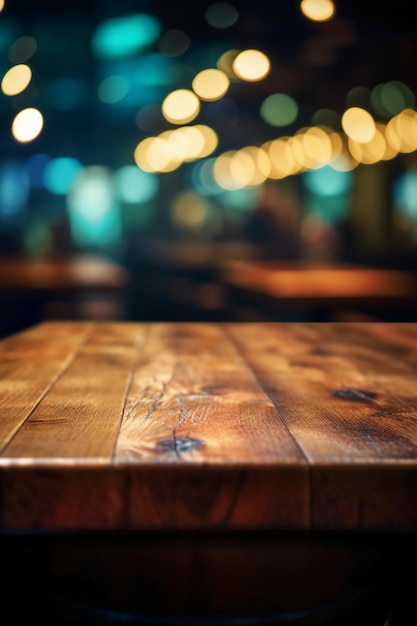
(113, 89)
(138, 218)
(405, 194)
(93, 212)
(326, 181)
(133, 185)
(14, 189)
(60, 173)
(202, 178)
(332, 209)
(328, 193)
(243, 200)
(135, 82)
(125, 36)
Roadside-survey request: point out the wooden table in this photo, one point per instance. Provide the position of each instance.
(323, 290)
(201, 473)
(83, 286)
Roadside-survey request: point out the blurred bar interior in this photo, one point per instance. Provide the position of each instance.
(148, 146)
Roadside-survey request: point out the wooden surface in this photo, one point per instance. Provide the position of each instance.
(148, 426)
(319, 284)
(81, 272)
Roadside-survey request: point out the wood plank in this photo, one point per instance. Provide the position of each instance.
(30, 364)
(79, 418)
(194, 402)
(331, 383)
(47, 340)
(348, 397)
(190, 382)
(212, 426)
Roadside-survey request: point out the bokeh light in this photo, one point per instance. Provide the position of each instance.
(133, 185)
(221, 15)
(93, 212)
(125, 36)
(358, 124)
(16, 79)
(59, 174)
(22, 49)
(225, 63)
(14, 191)
(251, 65)
(189, 210)
(405, 194)
(210, 84)
(279, 109)
(113, 89)
(181, 106)
(327, 182)
(27, 125)
(391, 98)
(318, 10)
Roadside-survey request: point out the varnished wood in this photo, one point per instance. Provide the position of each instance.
(318, 285)
(201, 426)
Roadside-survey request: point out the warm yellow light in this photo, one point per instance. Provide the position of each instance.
(296, 145)
(358, 124)
(345, 162)
(210, 84)
(282, 159)
(401, 131)
(16, 79)
(211, 140)
(2, 2)
(256, 163)
(222, 173)
(251, 65)
(155, 154)
(318, 10)
(370, 152)
(242, 168)
(188, 142)
(181, 106)
(27, 125)
(317, 146)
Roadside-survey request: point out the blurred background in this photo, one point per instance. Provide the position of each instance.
(207, 160)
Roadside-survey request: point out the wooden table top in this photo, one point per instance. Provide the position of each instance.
(197, 426)
(320, 283)
(79, 272)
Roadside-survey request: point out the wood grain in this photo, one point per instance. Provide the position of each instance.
(347, 394)
(199, 426)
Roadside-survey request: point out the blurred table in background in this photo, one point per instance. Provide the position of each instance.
(78, 287)
(317, 291)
